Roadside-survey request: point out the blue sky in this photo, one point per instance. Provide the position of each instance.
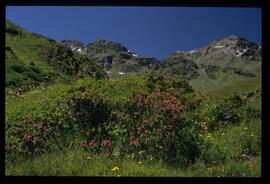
(149, 31)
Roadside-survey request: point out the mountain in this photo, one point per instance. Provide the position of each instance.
(32, 58)
(216, 64)
(113, 57)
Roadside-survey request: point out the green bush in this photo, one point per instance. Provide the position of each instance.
(89, 110)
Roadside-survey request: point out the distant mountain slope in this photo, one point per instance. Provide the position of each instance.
(32, 58)
(113, 57)
(217, 64)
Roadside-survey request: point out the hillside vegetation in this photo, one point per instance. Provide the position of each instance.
(175, 118)
(33, 59)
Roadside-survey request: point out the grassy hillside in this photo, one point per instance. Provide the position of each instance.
(32, 59)
(64, 116)
(221, 141)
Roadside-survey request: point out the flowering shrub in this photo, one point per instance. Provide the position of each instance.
(153, 122)
(31, 136)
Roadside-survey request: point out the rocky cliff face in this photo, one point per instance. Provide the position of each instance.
(101, 45)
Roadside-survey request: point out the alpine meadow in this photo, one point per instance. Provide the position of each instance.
(99, 109)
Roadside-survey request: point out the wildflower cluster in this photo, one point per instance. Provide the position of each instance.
(153, 122)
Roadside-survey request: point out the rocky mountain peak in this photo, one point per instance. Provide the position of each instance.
(235, 45)
(101, 45)
(74, 45)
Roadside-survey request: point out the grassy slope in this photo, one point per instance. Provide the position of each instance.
(33, 58)
(37, 101)
(78, 163)
(27, 49)
(75, 162)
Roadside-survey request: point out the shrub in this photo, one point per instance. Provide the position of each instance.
(89, 110)
(160, 82)
(153, 122)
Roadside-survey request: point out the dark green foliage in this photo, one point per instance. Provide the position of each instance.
(63, 58)
(89, 110)
(180, 67)
(72, 64)
(157, 81)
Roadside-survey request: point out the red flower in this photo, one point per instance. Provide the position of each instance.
(173, 106)
(158, 94)
(106, 143)
(177, 94)
(146, 132)
(162, 109)
(145, 122)
(136, 113)
(161, 102)
(170, 128)
(93, 143)
(134, 142)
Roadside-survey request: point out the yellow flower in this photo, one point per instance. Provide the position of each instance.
(245, 128)
(115, 169)
(141, 152)
(209, 136)
(223, 134)
(139, 162)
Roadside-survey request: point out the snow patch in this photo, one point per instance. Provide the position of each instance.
(135, 55)
(239, 53)
(219, 46)
(79, 50)
(72, 48)
(192, 51)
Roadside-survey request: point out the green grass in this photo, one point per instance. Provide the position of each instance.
(238, 87)
(44, 98)
(26, 50)
(79, 163)
(32, 58)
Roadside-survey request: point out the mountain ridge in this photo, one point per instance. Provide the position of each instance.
(221, 61)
